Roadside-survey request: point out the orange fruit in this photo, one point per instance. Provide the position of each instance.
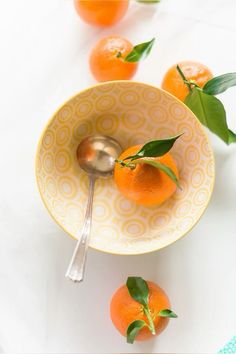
(173, 83)
(104, 63)
(145, 185)
(124, 310)
(101, 12)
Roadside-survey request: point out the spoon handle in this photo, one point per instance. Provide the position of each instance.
(76, 267)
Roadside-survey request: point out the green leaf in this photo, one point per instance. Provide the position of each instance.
(167, 313)
(134, 329)
(170, 173)
(140, 51)
(220, 84)
(138, 289)
(149, 1)
(232, 137)
(155, 148)
(210, 111)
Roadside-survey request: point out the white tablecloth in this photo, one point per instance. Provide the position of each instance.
(44, 60)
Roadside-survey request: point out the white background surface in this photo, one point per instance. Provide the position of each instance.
(44, 54)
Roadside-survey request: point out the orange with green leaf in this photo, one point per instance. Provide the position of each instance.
(194, 72)
(140, 310)
(148, 174)
(194, 84)
(115, 58)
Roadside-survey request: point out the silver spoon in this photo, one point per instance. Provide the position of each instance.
(96, 155)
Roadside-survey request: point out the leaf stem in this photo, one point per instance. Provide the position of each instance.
(130, 165)
(150, 320)
(118, 54)
(187, 82)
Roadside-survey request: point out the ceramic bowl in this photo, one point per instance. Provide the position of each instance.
(133, 113)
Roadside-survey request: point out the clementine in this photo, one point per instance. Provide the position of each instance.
(124, 310)
(106, 59)
(101, 12)
(173, 82)
(145, 184)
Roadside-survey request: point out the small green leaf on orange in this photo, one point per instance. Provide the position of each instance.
(155, 148)
(140, 51)
(167, 313)
(138, 289)
(133, 330)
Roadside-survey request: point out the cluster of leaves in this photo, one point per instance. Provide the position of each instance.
(138, 290)
(209, 110)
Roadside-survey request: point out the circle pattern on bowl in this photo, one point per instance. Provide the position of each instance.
(132, 113)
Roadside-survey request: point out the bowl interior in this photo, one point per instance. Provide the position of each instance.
(132, 113)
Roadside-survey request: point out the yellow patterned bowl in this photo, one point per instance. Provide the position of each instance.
(132, 113)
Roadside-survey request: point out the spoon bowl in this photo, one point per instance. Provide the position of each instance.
(96, 155)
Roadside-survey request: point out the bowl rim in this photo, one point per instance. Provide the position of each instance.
(39, 143)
